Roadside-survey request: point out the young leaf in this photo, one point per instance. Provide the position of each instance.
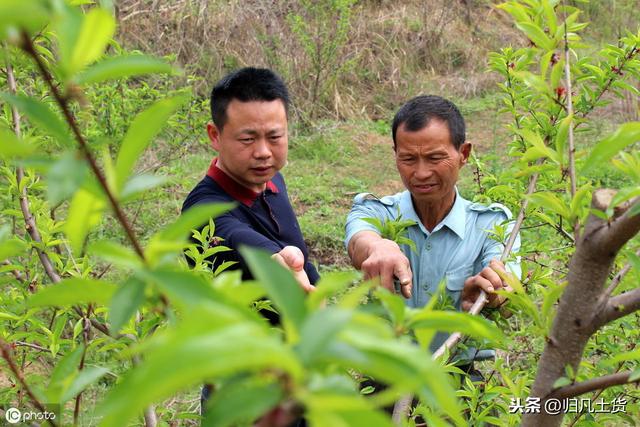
(241, 402)
(85, 378)
(536, 35)
(203, 354)
(85, 212)
(40, 114)
(318, 330)
(625, 135)
(98, 27)
(122, 67)
(73, 290)
(64, 177)
(125, 302)
(192, 218)
(450, 321)
(282, 288)
(12, 147)
(143, 129)
(28, 15)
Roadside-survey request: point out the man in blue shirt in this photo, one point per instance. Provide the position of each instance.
(452, 235)
(249, 131)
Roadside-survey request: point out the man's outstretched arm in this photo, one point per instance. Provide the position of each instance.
(378, 257)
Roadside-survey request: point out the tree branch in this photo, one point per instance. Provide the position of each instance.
(572, 148)
(612, 236)
(30, 223)
(618, 278)
(63, 102)
(619, 306)
(599, 383)
(6, 355)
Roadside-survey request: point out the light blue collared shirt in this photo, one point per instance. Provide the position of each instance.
(460, 246)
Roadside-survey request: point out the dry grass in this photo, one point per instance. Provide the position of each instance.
(393, 50)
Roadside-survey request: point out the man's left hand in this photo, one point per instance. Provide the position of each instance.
(487, 280)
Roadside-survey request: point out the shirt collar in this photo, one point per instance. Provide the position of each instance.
(239, 192)
(455, 220)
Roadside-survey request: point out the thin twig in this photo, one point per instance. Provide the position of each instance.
(618, 278)
(30, 223)
(6, 355)
(593, 384)
(572, 148)
(28, 344)
(63, 103)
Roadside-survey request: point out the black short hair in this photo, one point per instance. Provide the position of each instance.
(246, 84)
(418, 112)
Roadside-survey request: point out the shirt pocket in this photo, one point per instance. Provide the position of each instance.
(455, 282)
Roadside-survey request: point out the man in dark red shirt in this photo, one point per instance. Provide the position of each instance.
(249, 110)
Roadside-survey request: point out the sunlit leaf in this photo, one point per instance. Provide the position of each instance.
(141, 132)
(241, 402)
(19, 14)
(125, 303)
(625, 135)
(203, 353)
(85, 212)
(282, 288)
(65, 176)
(122, 67)
(318, 330)
(450, 321)
(98, 27)
(41, 115)
(13, 147)
(73, 290)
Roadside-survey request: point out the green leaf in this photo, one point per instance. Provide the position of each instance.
(73, 290)
(11, 247)
(536, 35)
(550, 298)
(394, 304)
(635, 376)
(122, 67)
(84, 379)
(318, 330)
(13, 147)
(115, 253)
(451, 321)
(560, 141)
(552, 203)
(141, 184)
(329, 285)
(64, 177)
(67, 366)
(203, 354)
(41, 115)
(622, 357)
(85, 212)
(625, 135)
(125, 302)
(28, 15)
(329, 409)
(282, 288)
(561, 382)
(98, 27)
(143, 129)
(241, 402)
(186, 289)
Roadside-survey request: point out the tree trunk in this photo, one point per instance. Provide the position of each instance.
(578, 313)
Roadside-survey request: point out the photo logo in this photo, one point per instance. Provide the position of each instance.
(13, 415)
